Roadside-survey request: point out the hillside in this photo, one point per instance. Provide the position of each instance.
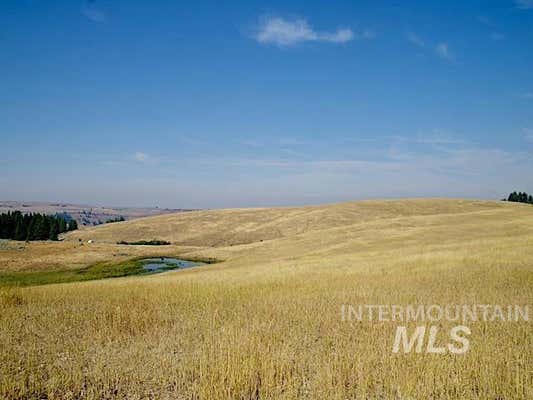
(277, 233)
(265, 321)
(221, 228)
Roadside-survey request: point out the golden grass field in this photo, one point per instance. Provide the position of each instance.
(264, 322)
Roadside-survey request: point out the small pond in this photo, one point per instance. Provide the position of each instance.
(162, 264)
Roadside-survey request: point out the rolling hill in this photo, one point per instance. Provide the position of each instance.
(265, 321)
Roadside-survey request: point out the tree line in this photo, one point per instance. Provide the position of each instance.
(34, 226)
(520, 197)
(116, 219)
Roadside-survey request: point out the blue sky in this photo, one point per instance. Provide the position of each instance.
(255, 103)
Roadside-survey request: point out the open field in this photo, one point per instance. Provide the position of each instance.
(265, 322)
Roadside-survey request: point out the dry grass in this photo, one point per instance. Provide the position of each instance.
(265, 323)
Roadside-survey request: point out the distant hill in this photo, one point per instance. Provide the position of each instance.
(231, 227)
(85, 215)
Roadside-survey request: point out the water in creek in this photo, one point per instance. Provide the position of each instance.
(162, 264)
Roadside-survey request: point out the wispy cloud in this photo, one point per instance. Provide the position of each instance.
(477, 169)
(528, 95)
(208, 180)
(524, 4)
(496, 36)
(291, 141)
(252, 143)
(438, 137)
(415, 39)
(141, 157)
(93, 12)
(283, 32)
(443, 51)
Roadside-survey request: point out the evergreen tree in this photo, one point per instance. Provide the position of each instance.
(45, 230)
(72, 225)
(4, 230)
(26, 220)
(62, 225)
(31, 229)
(3, 226)
(54, 229)
(520, 197)
(10, 224)
(20, 232)
(33, 226)
(40, 228)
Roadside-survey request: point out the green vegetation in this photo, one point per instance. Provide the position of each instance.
(117, 219)
(95, 271)
(99, 270)
(18, 226)
(153, 242)
(520, 197)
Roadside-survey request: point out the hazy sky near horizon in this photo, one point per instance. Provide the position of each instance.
(255, 103)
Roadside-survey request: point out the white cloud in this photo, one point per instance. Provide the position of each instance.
(528, 95)
(437, 138)
(340, 36)
(415, 39)
(524, 4)
(443, 51)
(282, 32)
(141, 157)
(497, 36)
